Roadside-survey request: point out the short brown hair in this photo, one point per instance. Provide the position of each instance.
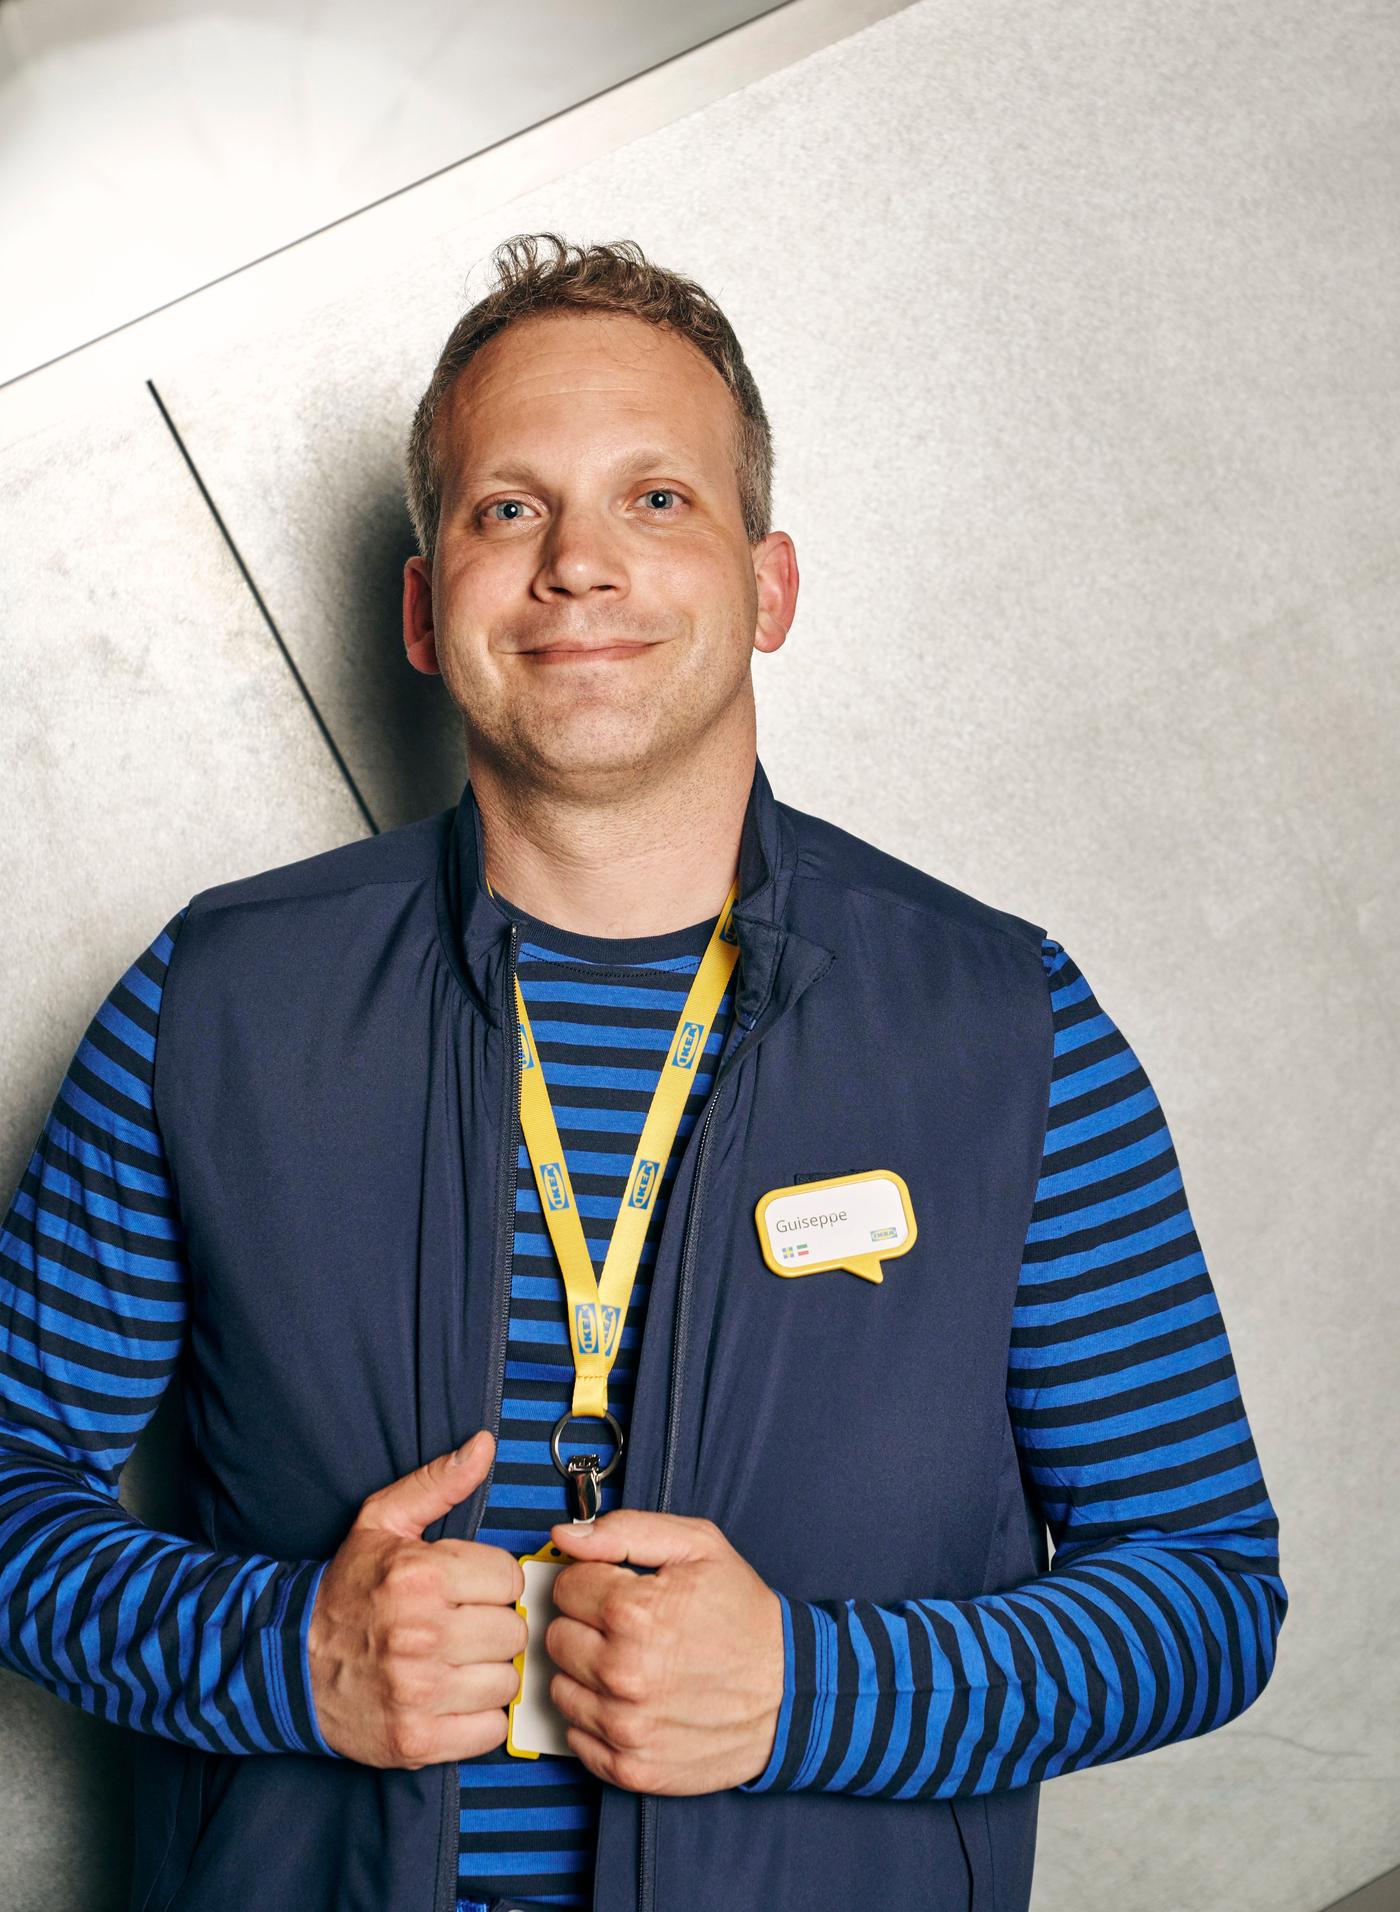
(613, 277)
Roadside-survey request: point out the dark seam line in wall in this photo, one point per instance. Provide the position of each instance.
(330, 742)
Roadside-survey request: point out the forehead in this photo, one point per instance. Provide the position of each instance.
(582, 373)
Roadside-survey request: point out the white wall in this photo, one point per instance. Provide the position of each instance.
(1079, 329)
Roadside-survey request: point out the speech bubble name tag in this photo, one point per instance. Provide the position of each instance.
(845, 1221)
(534, 1724)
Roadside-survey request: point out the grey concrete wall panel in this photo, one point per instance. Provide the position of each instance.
(153, 738)
(153, 743)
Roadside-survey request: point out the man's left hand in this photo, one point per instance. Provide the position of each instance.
(670, 1681)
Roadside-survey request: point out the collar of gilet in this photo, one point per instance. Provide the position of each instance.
(475, 929)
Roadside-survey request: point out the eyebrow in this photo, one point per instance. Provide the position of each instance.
(521, 472)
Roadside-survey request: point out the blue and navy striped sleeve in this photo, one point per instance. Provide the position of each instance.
(1159, 1617)
(142, 1628)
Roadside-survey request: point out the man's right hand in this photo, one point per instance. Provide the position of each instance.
(411, 1641)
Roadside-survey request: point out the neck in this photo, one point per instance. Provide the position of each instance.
(657, 855)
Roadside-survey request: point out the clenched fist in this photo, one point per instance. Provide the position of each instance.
(411, 1641)
(671, 1681)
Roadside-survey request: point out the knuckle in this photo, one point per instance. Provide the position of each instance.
(622, 1725)
(631, 1772)
(638, 1620)
(406, 1570)
(406, 1686)
(622, 1674)
(404, 1639)
(409, 1742)
(618, 1610)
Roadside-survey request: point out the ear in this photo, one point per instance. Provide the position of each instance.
(419, 640)
(775, 574)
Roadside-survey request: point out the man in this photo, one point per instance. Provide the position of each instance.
(453, 1180)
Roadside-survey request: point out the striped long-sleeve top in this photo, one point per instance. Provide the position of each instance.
(1156, 1621)
(1159, 1617)
(604, 1012)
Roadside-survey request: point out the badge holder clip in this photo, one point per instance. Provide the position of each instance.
(583, 1478)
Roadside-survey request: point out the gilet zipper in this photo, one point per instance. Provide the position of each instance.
(505, 1210)
(647, 1897)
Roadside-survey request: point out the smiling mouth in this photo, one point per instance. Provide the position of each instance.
(557, 653)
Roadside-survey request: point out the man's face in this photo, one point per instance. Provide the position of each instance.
(594, 599)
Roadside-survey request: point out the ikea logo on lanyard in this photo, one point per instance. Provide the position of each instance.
(644, 1185)
(555, 1188)
(527, 1061)
(687, 1045)
(595, 1335)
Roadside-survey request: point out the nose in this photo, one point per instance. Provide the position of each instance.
(581, 554)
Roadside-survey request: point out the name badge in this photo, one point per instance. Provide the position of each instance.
(846, 1221)
(534, 1724)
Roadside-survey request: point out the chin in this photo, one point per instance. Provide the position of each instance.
(592, 752)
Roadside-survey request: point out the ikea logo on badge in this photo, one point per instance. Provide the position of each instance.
(595, 1335)
(645, 1184)
(687, 1045)
(555, 1191)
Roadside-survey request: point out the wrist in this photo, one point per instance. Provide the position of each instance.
(780, 1676)
(772, 1672)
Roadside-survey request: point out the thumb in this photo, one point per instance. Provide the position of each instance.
(414, 1501)
(631, 1537)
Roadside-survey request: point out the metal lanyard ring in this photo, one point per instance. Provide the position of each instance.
(563, 1422)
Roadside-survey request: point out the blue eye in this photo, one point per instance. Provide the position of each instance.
(517, 505)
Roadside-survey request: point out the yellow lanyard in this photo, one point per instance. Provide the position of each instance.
(598, 1308)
